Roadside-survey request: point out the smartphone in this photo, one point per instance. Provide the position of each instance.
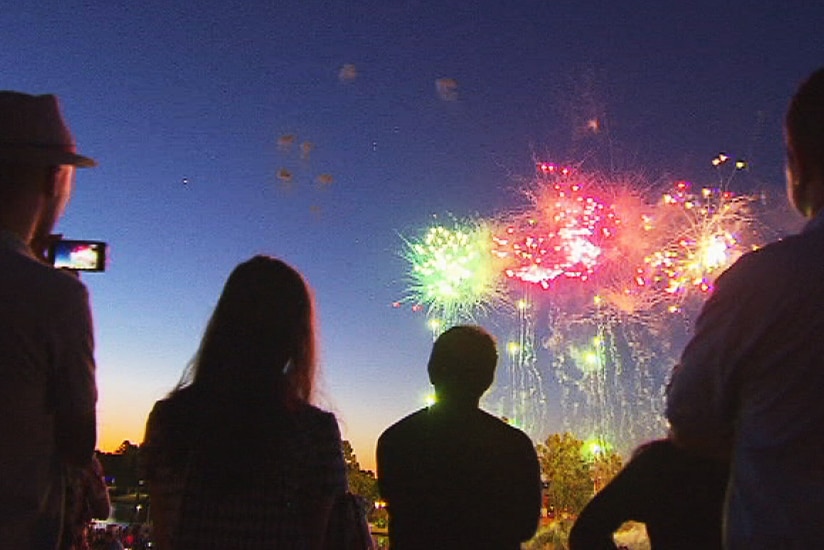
(78, 255)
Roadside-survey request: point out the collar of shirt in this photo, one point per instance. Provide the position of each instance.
(12, 241)
(817, 222)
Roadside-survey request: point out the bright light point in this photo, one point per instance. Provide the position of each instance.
(523, 304)
(596, 341)
(513, 348)
(714, 252)
(430, 399)
(740, 165)
(597, 300)
(591, 358)
(434, 324)
(595, 446)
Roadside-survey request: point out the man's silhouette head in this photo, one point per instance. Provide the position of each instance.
(462, 364)
(38, 157)
(804, 134)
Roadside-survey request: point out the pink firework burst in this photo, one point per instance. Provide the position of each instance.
(563, 233)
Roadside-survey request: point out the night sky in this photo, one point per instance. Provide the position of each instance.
(183, 107)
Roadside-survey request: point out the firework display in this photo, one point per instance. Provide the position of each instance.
(592, 282)
(453, 273)
(703, 233)
(562, 235)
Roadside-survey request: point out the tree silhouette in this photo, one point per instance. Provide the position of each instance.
(567, 471)
(122, 467)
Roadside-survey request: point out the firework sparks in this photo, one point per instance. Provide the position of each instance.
(453, 272)
(521, 391)
(562, 235)
(702, 234)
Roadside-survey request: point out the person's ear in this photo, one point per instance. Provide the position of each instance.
(49, 180)
(805, 181)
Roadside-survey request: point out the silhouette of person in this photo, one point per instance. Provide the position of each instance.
(454, 476)
(677, 494)
(48, 392)
(236, 456)
(749, 383)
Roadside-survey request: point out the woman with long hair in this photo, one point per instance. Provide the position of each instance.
(236, 456)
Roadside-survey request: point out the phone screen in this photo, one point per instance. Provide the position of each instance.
(79, 255)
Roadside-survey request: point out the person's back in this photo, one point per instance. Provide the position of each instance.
(777, 484)
(42, 309)
(454, 476)
(457, 479)
(257, 497)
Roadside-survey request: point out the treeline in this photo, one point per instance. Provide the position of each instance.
(572, 472)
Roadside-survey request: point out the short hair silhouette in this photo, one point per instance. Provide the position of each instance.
(463, 362)
(804, 122)
(437, 491)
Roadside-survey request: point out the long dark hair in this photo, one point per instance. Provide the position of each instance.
(255, 366)
(261, 337)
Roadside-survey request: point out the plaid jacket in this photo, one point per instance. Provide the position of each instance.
(267, 513)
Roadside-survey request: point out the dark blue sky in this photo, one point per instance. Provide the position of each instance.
(159, 94)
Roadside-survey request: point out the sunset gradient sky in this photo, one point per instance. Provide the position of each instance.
(183, 108)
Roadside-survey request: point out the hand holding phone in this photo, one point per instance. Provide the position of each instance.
(78, 255)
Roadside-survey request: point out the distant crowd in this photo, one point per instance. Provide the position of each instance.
(116, 537)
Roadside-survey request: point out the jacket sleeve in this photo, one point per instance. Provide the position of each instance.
(702, 392)
(75, 387)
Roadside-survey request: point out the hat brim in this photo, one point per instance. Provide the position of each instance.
(46, 157)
